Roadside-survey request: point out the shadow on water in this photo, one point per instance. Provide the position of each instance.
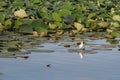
(63, 60)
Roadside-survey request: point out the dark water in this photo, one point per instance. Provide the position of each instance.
(64, 65)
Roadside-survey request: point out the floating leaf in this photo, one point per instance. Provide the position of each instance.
(44, 9)
(109, 30)
(36, 1)
(115, 24)
(104, 24)
(56, 17)
(59, 24)
(1, 27)
(113, 41)
(8, 22)
(41, 29)
(37, 24)
(116, 17)
(64, 12)
(91, 15)
(26, 28)
(18, 4)
(2, 3)
(2, 17)
(20, 13)
(67, 5)
(52, 26)
(18, 23)
(78, 26)
(115, 33)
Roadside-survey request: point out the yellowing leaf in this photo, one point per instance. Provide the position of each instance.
(116, 17)
(109, 30)
(115, 24)
(52, 26)
(1, 27)
(78, 26)
(104, 24)
(20, 13)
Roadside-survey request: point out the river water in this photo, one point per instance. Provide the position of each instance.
(63, 64)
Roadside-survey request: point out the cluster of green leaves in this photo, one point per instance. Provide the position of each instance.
(95, 15)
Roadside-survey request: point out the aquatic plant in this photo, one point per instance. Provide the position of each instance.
(51, 15)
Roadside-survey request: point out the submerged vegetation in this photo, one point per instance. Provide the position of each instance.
(77, 16)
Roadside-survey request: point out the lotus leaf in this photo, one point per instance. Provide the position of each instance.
(59, 24)
(109, 30)
(11, 43)
(41, 29)
(44, 9)
(2, 3)
(1, 27)
(60, 32)
(18, 4)
(113, 41)
(91, 15)
(2, 17)
(18, 23)
(36, 1)
(64, 12)
(116, 17)
(115, 33)
(8, 22)
(25, 28)
(78, 26)
(103, 24)
(67, 5)
(52, 26)
(56, 17)
(20, 13)
(115, 24)
(26, 21)
(12, 49)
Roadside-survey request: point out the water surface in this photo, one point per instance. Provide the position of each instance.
(64, 65)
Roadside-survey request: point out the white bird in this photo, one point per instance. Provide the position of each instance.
(81, 45)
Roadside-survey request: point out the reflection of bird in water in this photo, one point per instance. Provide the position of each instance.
(81, 54)
(81, 45)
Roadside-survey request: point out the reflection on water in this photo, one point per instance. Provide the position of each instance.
(81, 52)
(64, 64)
